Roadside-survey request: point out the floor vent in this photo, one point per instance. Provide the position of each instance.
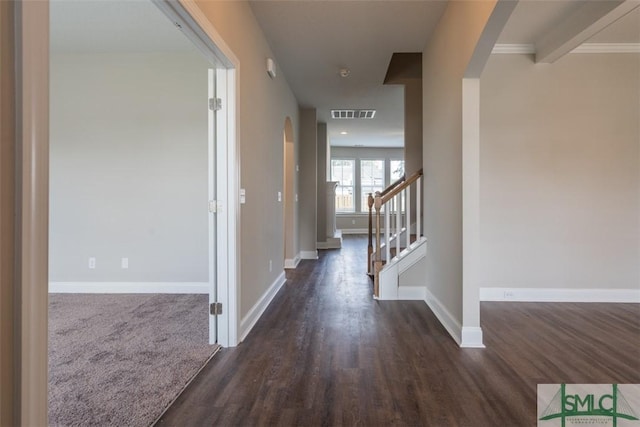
(353, 114)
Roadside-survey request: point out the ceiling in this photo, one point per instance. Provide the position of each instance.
(313, 40)
(81, 26)
(532, 19)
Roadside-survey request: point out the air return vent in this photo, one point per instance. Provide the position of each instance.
(353, 114)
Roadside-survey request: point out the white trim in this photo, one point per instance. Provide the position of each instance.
(308, 254)
(607, 48)
(444, 316)
(530, 49)
(333, 244)
(412, 293)
(560, 295)
(521, 49)
(355, 231)
(128, 287)
(201, 32)
(471, 337)
(292, 263)
(363, 230)
(249, 321)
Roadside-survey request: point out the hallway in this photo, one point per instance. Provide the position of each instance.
(326, 353)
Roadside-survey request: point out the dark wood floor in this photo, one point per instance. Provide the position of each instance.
(325, 353)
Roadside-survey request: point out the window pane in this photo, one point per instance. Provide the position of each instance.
(343, 171)
(397, 169)
(371, 180)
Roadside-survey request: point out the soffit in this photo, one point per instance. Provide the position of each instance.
(532, 19)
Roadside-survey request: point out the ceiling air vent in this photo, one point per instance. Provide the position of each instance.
(353, 114)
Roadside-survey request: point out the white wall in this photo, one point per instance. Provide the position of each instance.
(263, 105)
(128, 167)
(560, 172)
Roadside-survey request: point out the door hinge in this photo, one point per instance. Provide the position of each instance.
(215, 104)
(215, 308)
(215, 206)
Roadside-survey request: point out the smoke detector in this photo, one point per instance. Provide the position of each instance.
(345, 72)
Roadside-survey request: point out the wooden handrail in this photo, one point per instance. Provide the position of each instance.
(413, 178)
(393, 185)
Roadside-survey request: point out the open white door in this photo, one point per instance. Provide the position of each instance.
(224, 178)
(211, 155)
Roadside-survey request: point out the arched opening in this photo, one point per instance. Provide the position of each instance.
(290, 251)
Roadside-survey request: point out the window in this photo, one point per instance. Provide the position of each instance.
(343, 171)
(397, 170)
(371, 180)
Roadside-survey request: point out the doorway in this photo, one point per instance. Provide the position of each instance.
(34, 50)
(291, 258)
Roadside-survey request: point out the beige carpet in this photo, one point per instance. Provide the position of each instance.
(120, 360)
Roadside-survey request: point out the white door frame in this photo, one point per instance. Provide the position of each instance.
(32, 194)
(186, 15)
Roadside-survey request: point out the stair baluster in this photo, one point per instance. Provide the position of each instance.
(396, 197)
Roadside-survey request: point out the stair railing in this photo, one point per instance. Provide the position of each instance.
(370, 203)
(395, 198)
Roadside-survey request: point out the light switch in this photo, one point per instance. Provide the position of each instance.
(279, 196)
(243, 196)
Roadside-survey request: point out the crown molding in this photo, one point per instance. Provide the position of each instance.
(607, 48)
(530, 49)
(521, 49)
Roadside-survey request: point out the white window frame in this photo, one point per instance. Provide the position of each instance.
(353, 186)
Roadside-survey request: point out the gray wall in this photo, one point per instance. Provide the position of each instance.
(290, 192)
(450, 48)
(263, 105)
(413, 126)
(323, 151)
(560, 174)
(128, 167)
(308, 180)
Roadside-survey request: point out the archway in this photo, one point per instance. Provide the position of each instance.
(291, 258)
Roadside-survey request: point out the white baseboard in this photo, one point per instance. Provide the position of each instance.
(471, 337)
(444, 316)
(560, 295)
(248, 322)
(128, 287)
(308, 254)
(292, 263)
(330, 244)
(355, 231)
(411, 293)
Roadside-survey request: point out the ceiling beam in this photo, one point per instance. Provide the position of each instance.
(494, 26)
(588, 19)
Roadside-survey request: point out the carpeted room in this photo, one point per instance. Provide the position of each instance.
(130, 246)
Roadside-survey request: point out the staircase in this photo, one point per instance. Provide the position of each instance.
(398, 247)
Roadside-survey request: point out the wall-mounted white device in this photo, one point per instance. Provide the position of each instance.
(271, 68)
